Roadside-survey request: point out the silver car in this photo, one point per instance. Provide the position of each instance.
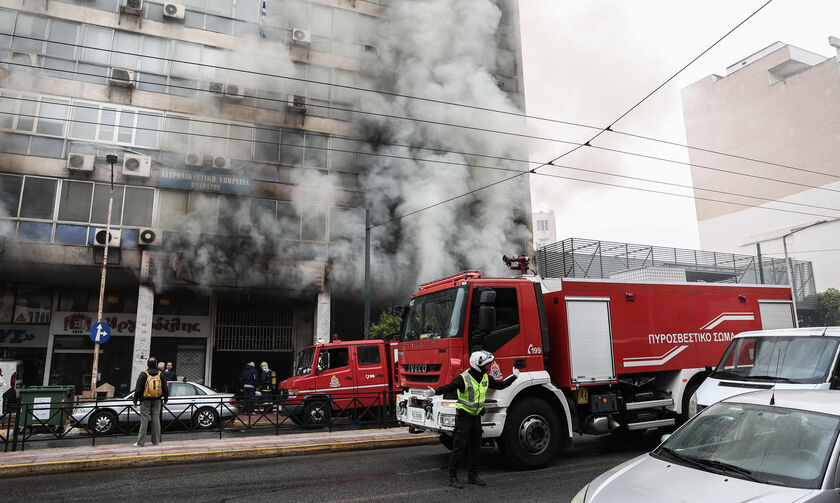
(751, 447)
(189, 403)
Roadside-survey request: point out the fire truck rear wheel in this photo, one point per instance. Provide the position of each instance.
(531, 437)
(316, 413)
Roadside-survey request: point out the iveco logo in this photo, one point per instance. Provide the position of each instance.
(417, 368)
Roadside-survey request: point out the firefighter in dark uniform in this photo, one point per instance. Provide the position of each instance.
(472, 387)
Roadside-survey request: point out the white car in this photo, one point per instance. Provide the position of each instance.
(791, 358)
(762, 446)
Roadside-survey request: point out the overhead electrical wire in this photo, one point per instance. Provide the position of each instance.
(534, 170)
(438, 101)
(259, 128)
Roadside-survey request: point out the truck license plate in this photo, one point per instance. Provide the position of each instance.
(417, 415)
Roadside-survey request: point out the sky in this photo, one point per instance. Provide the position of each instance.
(589, 61)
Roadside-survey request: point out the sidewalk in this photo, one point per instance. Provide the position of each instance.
(66, 459)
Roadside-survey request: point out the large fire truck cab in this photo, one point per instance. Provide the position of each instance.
(338, 376)
(594, 356)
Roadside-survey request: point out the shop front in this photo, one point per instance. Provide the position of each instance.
(181, 339)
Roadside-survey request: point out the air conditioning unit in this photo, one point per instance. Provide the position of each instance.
(234, 91)
(121, 77)
(23, 59)
(221, 162)
(216, 87)
(137, 165)
(133, 7)
(150, 237)
(247, 229)
(301, 36)
(101, 238)
(173, 11)
(80, 162)
(194, 159)
(297, 102)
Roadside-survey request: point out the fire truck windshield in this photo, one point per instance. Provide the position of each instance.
(304, 363)
(436, 315)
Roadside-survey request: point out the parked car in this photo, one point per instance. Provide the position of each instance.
(791, 358)
(752, 447)
(188, 402)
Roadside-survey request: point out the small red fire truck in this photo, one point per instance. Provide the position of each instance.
(339, 376)
(594, 355)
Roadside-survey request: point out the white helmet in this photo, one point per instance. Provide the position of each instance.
(480, 359)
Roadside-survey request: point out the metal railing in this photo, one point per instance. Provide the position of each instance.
(27, 423)
(589, 258)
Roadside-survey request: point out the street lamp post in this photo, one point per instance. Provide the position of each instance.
(112, 159)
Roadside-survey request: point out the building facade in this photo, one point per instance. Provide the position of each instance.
(247, 148)
(545, 228)
(780, 105)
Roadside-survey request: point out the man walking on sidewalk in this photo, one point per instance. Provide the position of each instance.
(150, 391)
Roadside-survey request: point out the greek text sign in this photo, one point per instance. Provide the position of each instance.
(75, 323)
(204, 182)
(21, 336)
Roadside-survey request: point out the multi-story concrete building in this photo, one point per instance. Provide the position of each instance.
(545, 228)
(248, 145)
(780, 105)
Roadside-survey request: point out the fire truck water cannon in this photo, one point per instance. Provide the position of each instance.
(519, 263)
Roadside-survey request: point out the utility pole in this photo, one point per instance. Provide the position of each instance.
(367, 273)
(112, 159)
(789, 265)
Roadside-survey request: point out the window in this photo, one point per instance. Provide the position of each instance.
(339, 357)
(74, 203)
(33, 304)
(38, 198)
(507, 309)
(368, 355)
(10, 186)
(542, 225)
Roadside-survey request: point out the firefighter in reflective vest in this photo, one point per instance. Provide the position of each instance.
(472, 387)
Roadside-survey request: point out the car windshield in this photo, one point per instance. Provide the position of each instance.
(772, 445)
(781, 359)
(304, 363)
(435, 315)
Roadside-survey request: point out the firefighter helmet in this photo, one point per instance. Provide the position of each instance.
(480, 359)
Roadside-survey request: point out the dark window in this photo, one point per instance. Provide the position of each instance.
(507, 309)
(368, 355)
(339, 357)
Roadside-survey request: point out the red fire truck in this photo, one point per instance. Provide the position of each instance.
(594, 355)
(339, 376)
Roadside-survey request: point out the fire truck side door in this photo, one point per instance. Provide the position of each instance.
(338, 374)
(371, 371)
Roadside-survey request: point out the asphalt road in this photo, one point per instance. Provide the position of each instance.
(403, 474)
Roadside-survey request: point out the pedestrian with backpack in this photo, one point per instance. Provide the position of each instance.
(151, 390)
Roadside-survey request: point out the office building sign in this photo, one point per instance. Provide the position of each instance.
(124, 324)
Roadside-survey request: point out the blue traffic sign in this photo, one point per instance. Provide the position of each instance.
(100, 332)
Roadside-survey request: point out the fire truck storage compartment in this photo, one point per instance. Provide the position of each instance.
(590, 340)
(775, 314)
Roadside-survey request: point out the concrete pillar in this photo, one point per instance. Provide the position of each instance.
(143, 331)
(322, 315)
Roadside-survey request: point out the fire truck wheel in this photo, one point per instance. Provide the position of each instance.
(316, 413)
(447, 441)
(532, 434)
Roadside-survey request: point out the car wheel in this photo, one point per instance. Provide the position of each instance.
(102, 422)
(205, 418)
(317, 414)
